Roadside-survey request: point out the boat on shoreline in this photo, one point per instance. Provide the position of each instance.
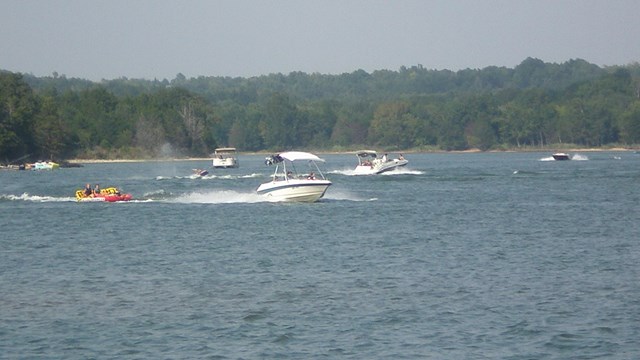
(225, 158)
(291, 183)
(369, 163)
(43, 165)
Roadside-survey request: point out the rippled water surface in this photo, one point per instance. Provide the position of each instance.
(456, 256)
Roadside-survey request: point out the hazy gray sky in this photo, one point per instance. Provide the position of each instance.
(160, 38)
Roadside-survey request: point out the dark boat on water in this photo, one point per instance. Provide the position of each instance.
(561, 156)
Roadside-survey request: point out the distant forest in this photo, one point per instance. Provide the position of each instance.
(534, 105)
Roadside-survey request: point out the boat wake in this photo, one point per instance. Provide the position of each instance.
(218, 197)
(338, 195)
(524, 173)
(207, 197)
(37, 198)
(210, 177)
(235, 197)
(404, 171)
(46, 199)
(399, 171)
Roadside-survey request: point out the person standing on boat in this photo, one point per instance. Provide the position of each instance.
(384, 158)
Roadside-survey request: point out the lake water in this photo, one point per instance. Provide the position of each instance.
(456, 256)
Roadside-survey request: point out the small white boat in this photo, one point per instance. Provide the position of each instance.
(291, 183)
(369, 163)
(561, 156)
(200, 172)
(225, 158)
(44, 165)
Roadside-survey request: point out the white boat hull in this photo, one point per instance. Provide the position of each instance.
(225, 163)
(294, 190)
(380, 167)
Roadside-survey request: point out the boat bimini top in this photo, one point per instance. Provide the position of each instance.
(367, 153)
(291, 156)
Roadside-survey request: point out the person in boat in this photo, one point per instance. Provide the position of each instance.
(401, 157)
(87, 191)
(96, 190)
(312, 176)
(384, 158)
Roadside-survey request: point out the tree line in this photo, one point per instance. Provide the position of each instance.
(535, 104)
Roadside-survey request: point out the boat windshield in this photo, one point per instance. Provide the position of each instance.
(366, 153)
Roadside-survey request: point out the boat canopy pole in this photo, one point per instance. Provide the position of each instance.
(318, 169)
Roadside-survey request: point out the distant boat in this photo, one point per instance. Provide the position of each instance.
(561, 156)
(225, 158)
(369, 163)
(200, 172)
(44, 165)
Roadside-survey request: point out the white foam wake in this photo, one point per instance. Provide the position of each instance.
(37, 198)
(399, 171)
(210, 177)
(219, 197)
(579, 157)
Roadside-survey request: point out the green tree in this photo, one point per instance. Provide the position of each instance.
(51, 132)
(390, 125)
(630, 124)
(245, 133)
(317, 124)
(149, 135)
(18, 107)
(279, 126)
(450, 124)
(352, 124)
(193, 113)
(480, 134)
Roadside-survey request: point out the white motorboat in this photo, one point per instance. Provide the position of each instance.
(200, 172)
(561, 156)
(225, 158)
(369, 163)
(44, 165)
(293, 182)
